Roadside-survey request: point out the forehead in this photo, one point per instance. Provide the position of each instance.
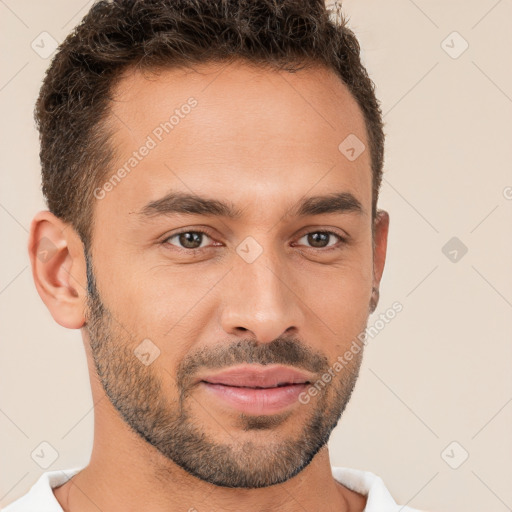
(235, 129)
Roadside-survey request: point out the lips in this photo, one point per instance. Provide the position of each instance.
(255, 389)
(258, 376)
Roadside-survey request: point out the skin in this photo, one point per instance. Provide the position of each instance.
(264, 140)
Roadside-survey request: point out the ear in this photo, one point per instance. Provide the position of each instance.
(380, 242)
(58, 268)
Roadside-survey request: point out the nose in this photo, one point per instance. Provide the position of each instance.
(261, 297)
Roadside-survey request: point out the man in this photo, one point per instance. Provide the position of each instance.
(212, 171)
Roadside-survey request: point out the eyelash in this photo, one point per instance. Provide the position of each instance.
(341, 240)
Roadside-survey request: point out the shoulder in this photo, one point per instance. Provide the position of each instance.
(40, 497)
(366, 483)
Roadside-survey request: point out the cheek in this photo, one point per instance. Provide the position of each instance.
(164, 302)
(339, 296)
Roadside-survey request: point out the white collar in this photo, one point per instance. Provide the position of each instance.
(363, 482)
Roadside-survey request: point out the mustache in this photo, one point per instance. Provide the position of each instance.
(286, 351)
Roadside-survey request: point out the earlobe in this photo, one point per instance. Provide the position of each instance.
(381, 229)
(58, 268)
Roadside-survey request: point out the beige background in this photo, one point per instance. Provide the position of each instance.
(440, 371)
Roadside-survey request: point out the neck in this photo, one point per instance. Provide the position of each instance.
(117, 486)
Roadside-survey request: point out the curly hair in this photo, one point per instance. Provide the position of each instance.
(74, 100)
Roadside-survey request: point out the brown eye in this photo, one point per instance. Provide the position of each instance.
(321, 239)
(188, 239)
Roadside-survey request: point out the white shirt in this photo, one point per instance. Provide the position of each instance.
(40, 497)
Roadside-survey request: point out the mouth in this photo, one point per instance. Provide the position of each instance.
(255, 400)
(255, 389)
(258, 376)
(280, 385)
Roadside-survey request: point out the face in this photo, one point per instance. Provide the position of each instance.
(241, 237)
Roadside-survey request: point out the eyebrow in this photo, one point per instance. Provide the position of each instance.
(184, 203)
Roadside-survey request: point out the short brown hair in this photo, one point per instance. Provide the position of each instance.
(74, 100)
